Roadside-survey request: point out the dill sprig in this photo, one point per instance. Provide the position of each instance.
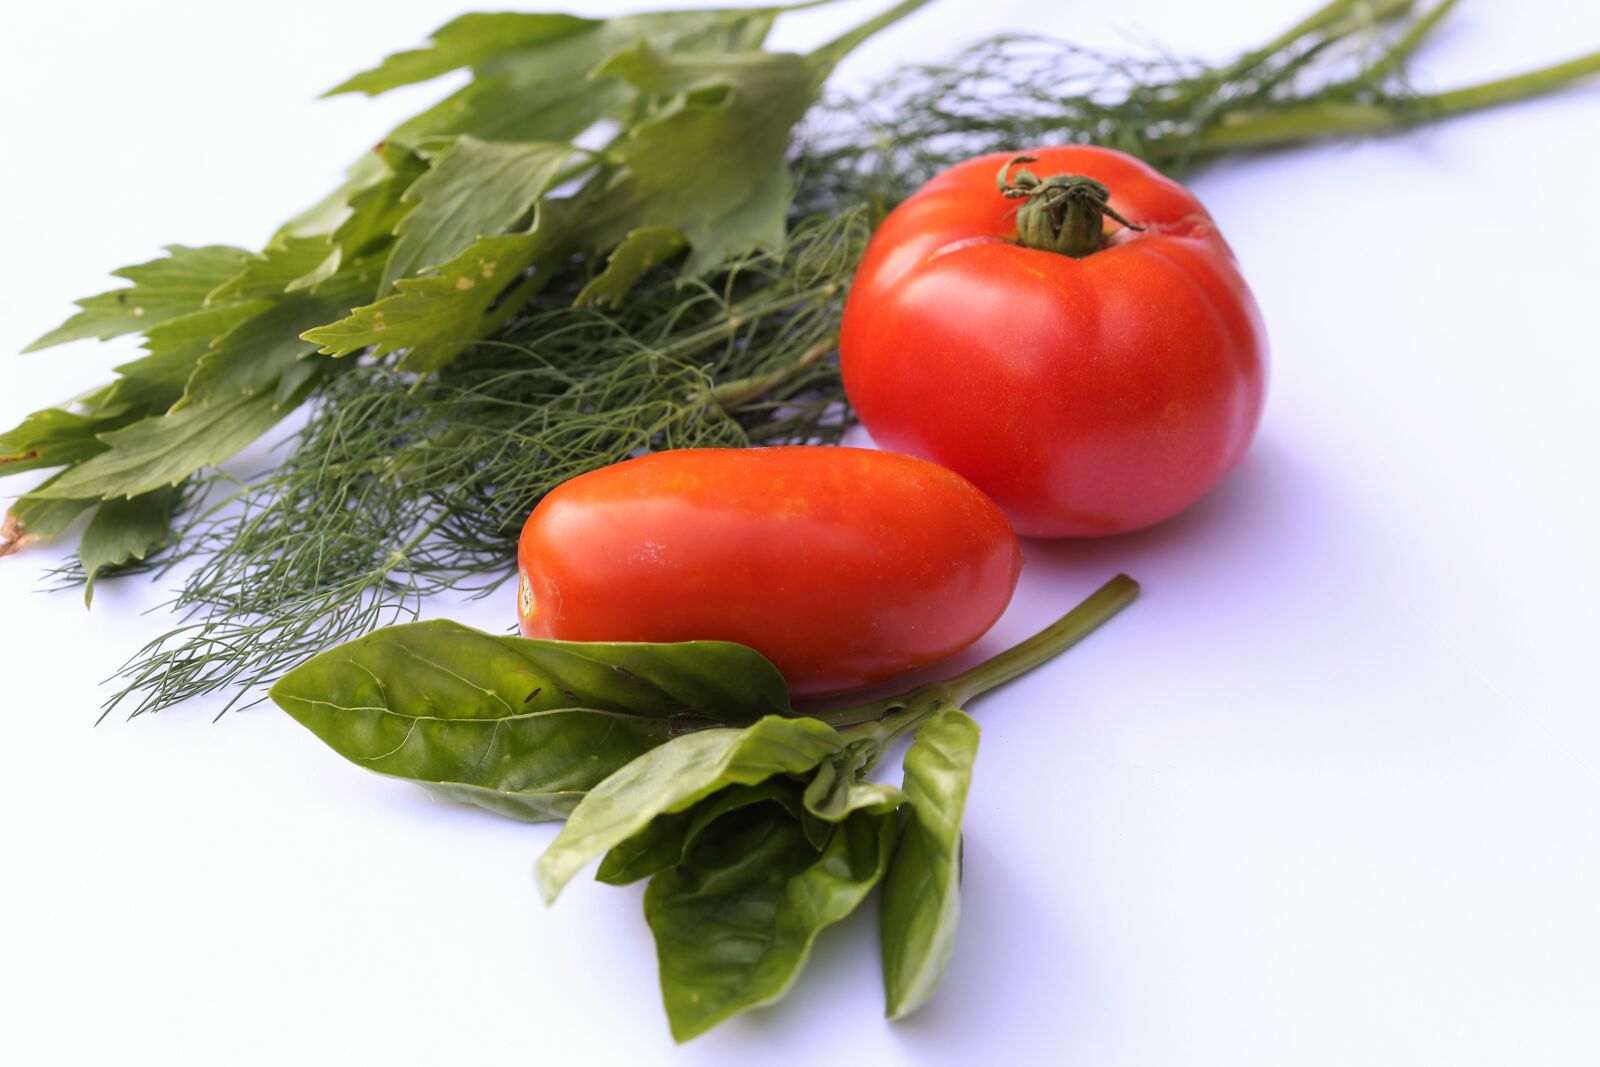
(1340, 72)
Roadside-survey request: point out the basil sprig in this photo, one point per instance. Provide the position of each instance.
(756, 825)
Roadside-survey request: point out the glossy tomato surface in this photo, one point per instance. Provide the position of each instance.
(1086, 396)
(844, 566)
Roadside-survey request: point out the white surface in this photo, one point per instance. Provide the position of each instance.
(1329, 794)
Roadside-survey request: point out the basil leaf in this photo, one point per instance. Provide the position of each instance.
(123, 530)
(921, 900)
(735, 921)
(836, 792)
(666, 841)
(673, 778)
(518, 726)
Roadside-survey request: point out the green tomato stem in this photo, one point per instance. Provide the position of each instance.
(876, 724)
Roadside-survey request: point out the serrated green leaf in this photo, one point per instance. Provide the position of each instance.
(162, 289)
(522, 727)
(35, 518)
(474, 189)
(735, 921)
(165, 449)
(155, 382)
(736, 109)
(675, 777)
(376, 210)
(265, 353)
(124, 530)
(921, 893)
(639, 251)
(543, 91)
(55, 437)
(463, 42)
(436, 317)
(266, 274)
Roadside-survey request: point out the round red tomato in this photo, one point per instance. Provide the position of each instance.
(844, 566)
(1091, 381)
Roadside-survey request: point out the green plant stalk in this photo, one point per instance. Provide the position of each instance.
(745, 390)
(876, 724)
(1408, 42)
(1336, 19)
(835, 50)
(1344, 119)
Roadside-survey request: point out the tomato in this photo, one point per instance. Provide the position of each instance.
(844, 566)
(1089, 383)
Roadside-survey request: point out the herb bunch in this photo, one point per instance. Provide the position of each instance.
(483, 309)
(399, 488)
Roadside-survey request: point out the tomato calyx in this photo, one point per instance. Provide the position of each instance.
(1063, 213)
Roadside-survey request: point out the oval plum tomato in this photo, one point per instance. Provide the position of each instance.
(1092, 359)
(844, 566)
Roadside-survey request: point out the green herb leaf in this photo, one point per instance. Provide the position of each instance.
(463, 42)
(521, 727)
(162, 289)
(437, 316)
(735, 921)
(125, 530)
(155, 382)
(736, 109)
(33, 518)
(543, 89)
(675, 777)
(475, 189)
(54, 437)
(666, 841)
(921, 896)
(166, 449)
(254, 355)
(836, 792)
(265, 275)
(639, 251)
(376, 211)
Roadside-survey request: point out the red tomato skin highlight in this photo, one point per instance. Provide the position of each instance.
(844, 566)
(1086, 396)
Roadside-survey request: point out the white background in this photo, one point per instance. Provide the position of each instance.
(1328, 794)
